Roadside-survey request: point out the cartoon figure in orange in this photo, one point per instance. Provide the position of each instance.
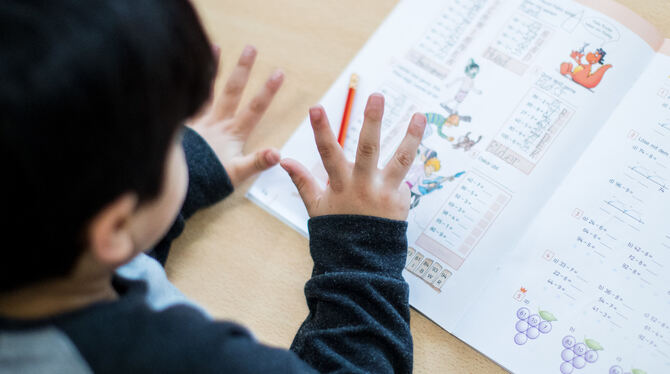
(582, 73)
(441, 122)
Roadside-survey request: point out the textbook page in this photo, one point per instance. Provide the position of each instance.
(510, 111)
(588, 288)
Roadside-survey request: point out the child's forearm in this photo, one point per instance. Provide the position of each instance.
(208, 182)
(358, 300)
(357, 297)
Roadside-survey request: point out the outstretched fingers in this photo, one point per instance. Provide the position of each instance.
(367, 154)
(397, 168)
(331, 153)
(252, 114)
(234, 87)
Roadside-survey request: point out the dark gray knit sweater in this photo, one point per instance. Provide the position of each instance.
(357, 298)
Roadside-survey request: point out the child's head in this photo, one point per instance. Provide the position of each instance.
(92, 96)
(596, 57)
(431, 165)
(472, 69)
(453, 120)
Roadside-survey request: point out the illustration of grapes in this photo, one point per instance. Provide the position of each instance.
(530, 326)
(616, 369)
(577, 355)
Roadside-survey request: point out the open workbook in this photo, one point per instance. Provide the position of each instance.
(539, 228)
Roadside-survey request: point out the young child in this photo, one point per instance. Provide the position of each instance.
(98, 169)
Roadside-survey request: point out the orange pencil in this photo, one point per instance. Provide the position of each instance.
(353, 84)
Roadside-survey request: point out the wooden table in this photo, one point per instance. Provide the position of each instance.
(234, 258)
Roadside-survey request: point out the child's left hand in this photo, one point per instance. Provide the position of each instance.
(226, 130)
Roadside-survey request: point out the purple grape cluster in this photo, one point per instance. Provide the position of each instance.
(576, 355)
(531, 326)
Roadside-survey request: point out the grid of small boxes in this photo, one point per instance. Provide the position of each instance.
(426, 269)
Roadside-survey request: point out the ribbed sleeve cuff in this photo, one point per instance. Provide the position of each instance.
(208, 180)
(358, 243)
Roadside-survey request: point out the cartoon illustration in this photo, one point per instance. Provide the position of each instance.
(453, 118)
(421, 177)
(577, 355)
(582, 73)
(467, 85)
(466, 143)
(441, 122)
(530, 326)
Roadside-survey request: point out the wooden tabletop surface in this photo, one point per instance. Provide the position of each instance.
(237, 260)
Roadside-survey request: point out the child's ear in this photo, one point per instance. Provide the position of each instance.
(110, 237)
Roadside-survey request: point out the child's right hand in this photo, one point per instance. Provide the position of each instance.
(359, 188)
(226, 129)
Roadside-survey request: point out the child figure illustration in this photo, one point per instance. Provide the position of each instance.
(467, 85)
(420, 174)
(582, 73)
(421, 177)
(441, 122)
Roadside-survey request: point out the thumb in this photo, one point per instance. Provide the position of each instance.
(251, 164)
(304, 181)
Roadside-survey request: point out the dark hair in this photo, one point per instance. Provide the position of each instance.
(92, 94)
(602, 55)
(472, 65)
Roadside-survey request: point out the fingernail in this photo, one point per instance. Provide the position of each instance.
(374, 109)
(272, 157)
(315, 113)
(248, 51)
(216, 49)
(417, 125)
(277, 76)
(376, 100)
(421, 120)
(284, 165)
